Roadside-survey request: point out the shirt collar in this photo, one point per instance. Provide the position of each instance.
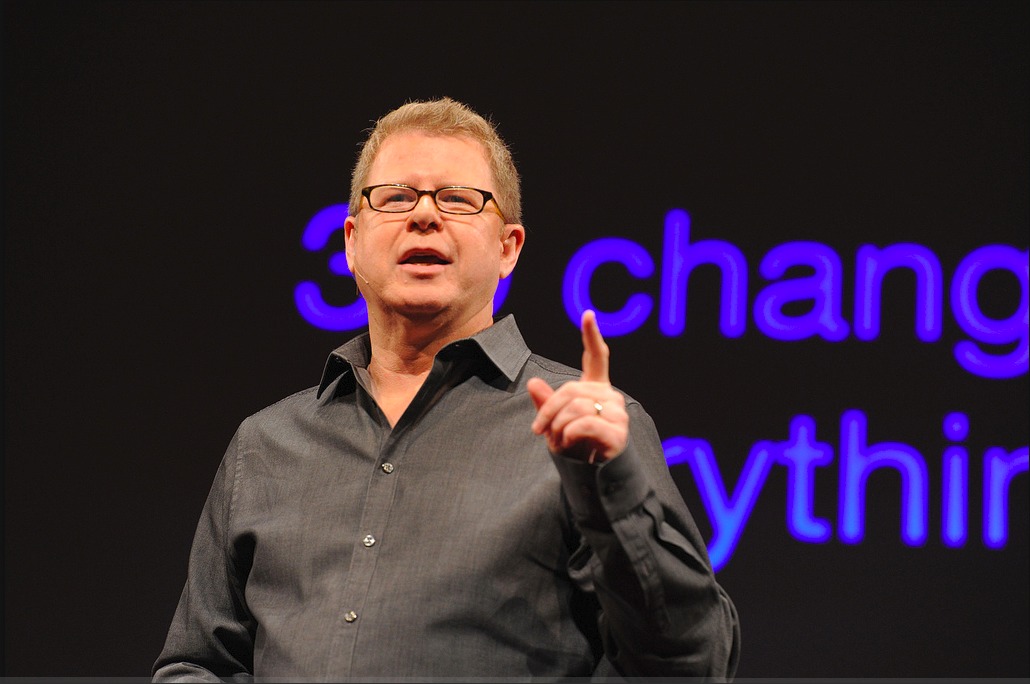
(501, 343)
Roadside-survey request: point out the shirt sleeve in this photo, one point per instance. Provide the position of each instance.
(211, 637)
(663, 613)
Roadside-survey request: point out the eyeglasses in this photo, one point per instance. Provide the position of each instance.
(394, 198)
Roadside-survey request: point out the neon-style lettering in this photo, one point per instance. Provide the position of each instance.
(802, 455)
(580, 271)
(872, 264)
(728, 515)
(955, 473)
(823, 288)
(1000, 467)
(679, 258)
(859, 460)
(308, 295)
(966, 307)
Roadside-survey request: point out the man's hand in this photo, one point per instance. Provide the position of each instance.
(585, 418)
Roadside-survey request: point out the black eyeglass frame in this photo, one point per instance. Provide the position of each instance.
(487, 196)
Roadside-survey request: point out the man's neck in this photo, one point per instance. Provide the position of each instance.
(403, 351)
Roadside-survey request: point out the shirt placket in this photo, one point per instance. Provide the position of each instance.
(375, 512)
(378, 500)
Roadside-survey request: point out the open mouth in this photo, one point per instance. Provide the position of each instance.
(420, 257)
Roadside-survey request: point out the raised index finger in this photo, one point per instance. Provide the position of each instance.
(595, 351)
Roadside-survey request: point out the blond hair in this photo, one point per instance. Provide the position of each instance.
(450, 118)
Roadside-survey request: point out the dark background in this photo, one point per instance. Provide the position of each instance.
(161, 160)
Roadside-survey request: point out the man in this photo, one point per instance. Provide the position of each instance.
(446, 503)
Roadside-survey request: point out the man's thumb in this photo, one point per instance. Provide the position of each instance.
(539, 391)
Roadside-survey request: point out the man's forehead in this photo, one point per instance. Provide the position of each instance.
(426, 153)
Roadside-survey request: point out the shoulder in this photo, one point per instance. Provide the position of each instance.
(555, 374)
(303, 400)
(542, 367)
(283, 415)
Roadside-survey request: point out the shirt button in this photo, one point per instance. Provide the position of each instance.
(350, 616)
(387, 468)
(369, 540)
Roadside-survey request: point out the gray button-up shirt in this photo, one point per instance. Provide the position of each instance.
(453, 544)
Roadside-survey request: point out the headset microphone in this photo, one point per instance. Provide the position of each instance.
(356, 271)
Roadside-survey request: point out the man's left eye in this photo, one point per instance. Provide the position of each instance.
(456, 197)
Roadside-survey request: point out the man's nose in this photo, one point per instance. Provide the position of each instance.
(426, 215)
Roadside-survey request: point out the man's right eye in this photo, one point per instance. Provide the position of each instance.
(395, 198)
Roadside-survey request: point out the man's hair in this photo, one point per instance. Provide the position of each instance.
(445, 117)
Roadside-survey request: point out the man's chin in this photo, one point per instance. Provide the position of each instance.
(430, 309)
(421, 307)
(422, 312)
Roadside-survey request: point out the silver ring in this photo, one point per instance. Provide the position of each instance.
(598, 407)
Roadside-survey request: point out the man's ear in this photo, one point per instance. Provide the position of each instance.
(350, 226)
(513, 236)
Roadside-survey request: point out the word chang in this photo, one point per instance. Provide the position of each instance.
(823, 289)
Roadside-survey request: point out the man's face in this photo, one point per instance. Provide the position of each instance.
(423, 263)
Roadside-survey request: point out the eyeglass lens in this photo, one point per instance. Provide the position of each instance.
(450, 200)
